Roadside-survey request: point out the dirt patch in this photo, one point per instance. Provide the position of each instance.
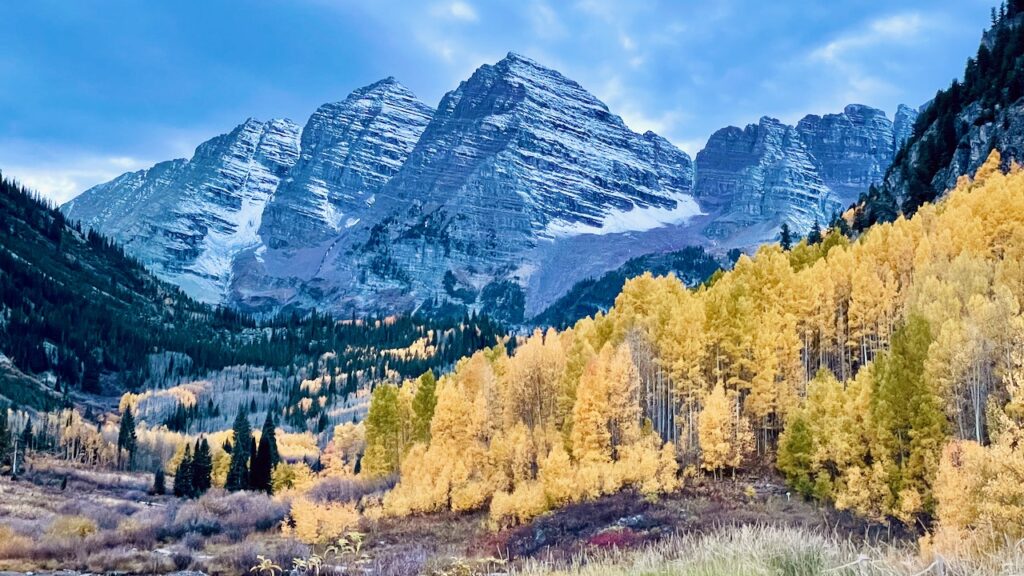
(624, 520)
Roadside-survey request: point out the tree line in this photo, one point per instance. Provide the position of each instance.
(883, 375)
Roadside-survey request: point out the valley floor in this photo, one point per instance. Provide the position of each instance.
(65, 518)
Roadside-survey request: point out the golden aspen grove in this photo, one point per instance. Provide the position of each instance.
(884, 375)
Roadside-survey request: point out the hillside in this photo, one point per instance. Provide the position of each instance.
(75, 307)
(81, 317)
(882, 375)
(957, 130)
(588, 297)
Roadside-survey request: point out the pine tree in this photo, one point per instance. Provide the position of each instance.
(786, 237)
(159, 482)
(126, 438)
(423, 405)
(795, 454)
(383, 428)
(202, 467)
(265, 458)
(252, 458)
(262, 469)
(183, 487)
(270, 434)
(238, 468)
(814, 236)
(909, 419)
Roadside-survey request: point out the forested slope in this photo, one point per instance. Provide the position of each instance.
(883, 375)
(80, 316)
(956, 131)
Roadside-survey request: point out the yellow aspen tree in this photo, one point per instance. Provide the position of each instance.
(591, 438)
(341, 454)
(623, 398)
(684, 351)
(556, 474)
(724, 434)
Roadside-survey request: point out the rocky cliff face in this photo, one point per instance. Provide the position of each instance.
(851, 150)
(520, 184)
(754, 180)
(903, 125)
(349, 150)
(186, 219)
(517, 155)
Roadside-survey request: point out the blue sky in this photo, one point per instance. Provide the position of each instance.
(89, 90)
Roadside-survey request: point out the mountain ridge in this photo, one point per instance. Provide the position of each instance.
(388, 204)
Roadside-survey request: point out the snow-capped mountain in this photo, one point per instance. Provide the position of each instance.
(187, 219)
(516, 156)
(520, 184)
(349, 150)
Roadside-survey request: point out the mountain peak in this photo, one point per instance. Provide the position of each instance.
(515, 57)
(385, 88)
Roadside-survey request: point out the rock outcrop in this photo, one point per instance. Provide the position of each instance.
(754, 180)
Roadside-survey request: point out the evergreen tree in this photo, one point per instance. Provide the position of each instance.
(908, 417)
(159, 482)
(202, 467)
(796, 449)
(265, 457)
(270, 434)
(383, 432)
(238, 468)
(127, 441)
(786, 237)
(183, 487)
(814, 236)
(252, 458)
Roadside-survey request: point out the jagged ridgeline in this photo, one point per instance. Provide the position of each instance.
(872, 369)
(78, 315)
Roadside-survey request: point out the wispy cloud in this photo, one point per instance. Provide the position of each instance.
(637, 117)
(61, 181)
(545, 21)
(458, 10)
(897, 29)
(853, 57)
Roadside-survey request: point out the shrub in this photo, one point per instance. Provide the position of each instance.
(146, 527)
(350, 488)
(624, 538)
(12, 544)
(235, 514)
(72, 527)
(317, 523)
(526, 502)
(182, 559)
